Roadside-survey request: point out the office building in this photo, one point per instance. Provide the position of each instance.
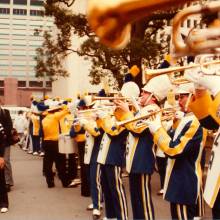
(21, 32)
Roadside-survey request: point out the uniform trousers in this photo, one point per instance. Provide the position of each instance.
(95, 185)
(71, 166)
(36, 143)
(3, 190)
(180, 211)
(84, 171)
(216, 207)
(52, 155)
(114, 193)
(200, 206)
(141, 200)
(161, 165)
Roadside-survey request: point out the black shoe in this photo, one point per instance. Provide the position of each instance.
(8, 187)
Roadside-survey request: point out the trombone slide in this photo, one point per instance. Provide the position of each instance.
(149, 74)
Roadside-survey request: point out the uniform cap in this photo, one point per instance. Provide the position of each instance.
(158, 86)
(185, 88)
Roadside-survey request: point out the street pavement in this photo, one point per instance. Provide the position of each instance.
(30, 198)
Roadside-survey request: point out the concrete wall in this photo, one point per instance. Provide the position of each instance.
(78, 81)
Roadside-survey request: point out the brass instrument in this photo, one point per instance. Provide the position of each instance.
(198, 41)
(95, 109)
(146, 116)
(149, 74)
(163, 118)
(112, 98)
(111, 20)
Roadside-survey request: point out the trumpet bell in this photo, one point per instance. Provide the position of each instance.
(111, 20)
(197, 42)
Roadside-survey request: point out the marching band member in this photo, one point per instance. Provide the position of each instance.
(77, 131)
(51, 130)
(35, 135)
(93, 136)
(184, 150)
(140, 159)
(111, 157)
(206, 106)
(70, 156)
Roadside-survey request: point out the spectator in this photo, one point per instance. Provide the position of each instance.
(20, 124)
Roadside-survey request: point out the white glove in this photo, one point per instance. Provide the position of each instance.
(210, 82)
(193, 75)
(179, 114)
(71, 107)
(83, 122)
(154, 123)
(167, 125)
(101, 114)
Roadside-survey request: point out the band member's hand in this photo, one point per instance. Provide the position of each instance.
(83, 122)
(179, 115)
(2, 162)
(167, 125)
(71, 107)
(123, 106)
(210, 82)
(154, 122)
(102, 114)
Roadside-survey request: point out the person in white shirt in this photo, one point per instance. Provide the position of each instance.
(20, 124)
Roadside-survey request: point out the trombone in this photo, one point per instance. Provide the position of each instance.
(111, 20)
(149, 74)
(197, 42)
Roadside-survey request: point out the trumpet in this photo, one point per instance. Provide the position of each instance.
(197, 42)
(163, 118)
(146, 116)
(112, 98)
(149, 74)
(96, 109)
(111, 20)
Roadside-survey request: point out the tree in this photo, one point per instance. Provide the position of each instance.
(143, 48)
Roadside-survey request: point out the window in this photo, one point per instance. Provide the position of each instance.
(188, 23)
(4, 1)
(36, 13)
(1, 92)
(19, 11)
(195, 23)
(35, 84)
(37, 2)
(21, 83)
(4, 10)
(48, 84)
(20, 2)
(1, 83)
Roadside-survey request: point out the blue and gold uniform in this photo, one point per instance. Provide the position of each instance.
(51, 132)
(94, 135)
(207, 110)
(69, 151)
(78, 133)
(183, 174)
(140, 162)
(112, 157)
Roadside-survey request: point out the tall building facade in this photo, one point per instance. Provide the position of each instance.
(21, 32)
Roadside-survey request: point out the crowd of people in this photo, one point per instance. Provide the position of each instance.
(129, 134)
